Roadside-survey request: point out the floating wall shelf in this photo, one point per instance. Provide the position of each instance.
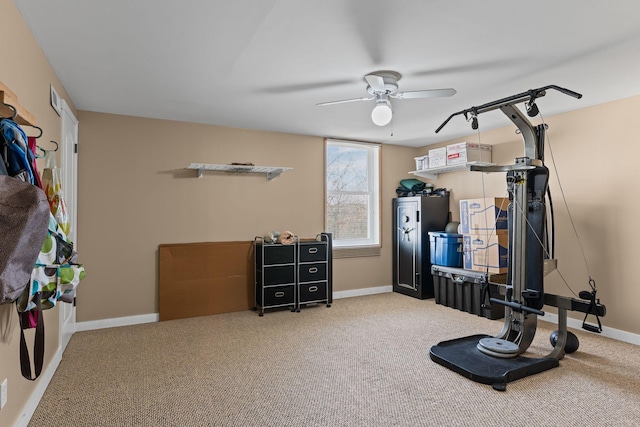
(7, 97)
(270, 171)
(432, 173)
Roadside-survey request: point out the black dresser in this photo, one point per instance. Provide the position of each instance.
(293, 275)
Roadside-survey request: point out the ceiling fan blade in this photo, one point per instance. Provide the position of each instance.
(376, 82)
(431, 93)
(345, 100)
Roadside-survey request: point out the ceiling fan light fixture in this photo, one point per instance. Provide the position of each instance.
(382, 85)
(382, 113)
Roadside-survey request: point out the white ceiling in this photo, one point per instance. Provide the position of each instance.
(264, 64)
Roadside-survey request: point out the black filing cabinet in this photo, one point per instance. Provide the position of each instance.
(413, 218)
(314, 271)
(275, 266)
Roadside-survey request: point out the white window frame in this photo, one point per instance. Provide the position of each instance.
(373, 191)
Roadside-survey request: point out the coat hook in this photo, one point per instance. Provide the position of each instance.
(15, 111)
(39, 128)
(56, 145)
(44, 152)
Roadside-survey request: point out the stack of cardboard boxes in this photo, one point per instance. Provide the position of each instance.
(454, 155)
(467, 152)
(483, 224)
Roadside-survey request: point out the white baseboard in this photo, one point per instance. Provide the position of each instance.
(116, 322)
(38, 392)
(363, 291)
(608, 332)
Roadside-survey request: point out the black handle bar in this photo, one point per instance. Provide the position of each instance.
(529, 95)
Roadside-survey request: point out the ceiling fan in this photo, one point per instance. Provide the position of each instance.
(382, 85)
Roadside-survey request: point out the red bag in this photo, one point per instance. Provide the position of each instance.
(33, 146)
(29, 319)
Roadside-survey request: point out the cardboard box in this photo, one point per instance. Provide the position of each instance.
(422, 163)
(465, 152)
(484, 216)
(200, 279)
(438, 157)
(486, 252)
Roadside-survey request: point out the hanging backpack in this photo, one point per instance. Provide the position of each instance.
(24, 219)
(15, 152)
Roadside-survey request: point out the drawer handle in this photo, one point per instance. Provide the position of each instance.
(313, 288)
(279, 294)
(313, 250)
(313, 270)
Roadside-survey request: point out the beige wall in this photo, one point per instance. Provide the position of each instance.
(135, 194)
(26, 71)
(595, 151)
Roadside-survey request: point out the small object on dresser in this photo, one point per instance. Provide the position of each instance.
(271, 237)
(286, 238)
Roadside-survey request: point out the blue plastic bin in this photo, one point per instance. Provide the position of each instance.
(445, 248)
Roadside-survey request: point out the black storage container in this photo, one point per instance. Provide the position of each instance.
(462, 289)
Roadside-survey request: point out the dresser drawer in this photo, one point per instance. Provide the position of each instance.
(277, 275)
(312, 272)
(277, 254)
(313, 292)
(276, 296)
(310, 252)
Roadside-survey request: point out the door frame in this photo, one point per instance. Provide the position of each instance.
(69, 164)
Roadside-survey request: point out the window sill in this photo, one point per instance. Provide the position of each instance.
(355, 251)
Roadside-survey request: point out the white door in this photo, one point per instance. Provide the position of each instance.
(69, 165)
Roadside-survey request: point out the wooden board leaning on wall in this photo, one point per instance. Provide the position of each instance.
(200, 279)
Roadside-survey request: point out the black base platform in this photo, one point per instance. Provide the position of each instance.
(462, 356)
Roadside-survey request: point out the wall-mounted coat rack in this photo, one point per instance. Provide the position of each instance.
(9, 99)
(270, 171)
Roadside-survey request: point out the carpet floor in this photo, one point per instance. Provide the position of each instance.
(362, 362)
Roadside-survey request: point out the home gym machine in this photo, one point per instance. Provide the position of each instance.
(498, 360)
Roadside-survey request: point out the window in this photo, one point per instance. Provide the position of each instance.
(352, 193)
